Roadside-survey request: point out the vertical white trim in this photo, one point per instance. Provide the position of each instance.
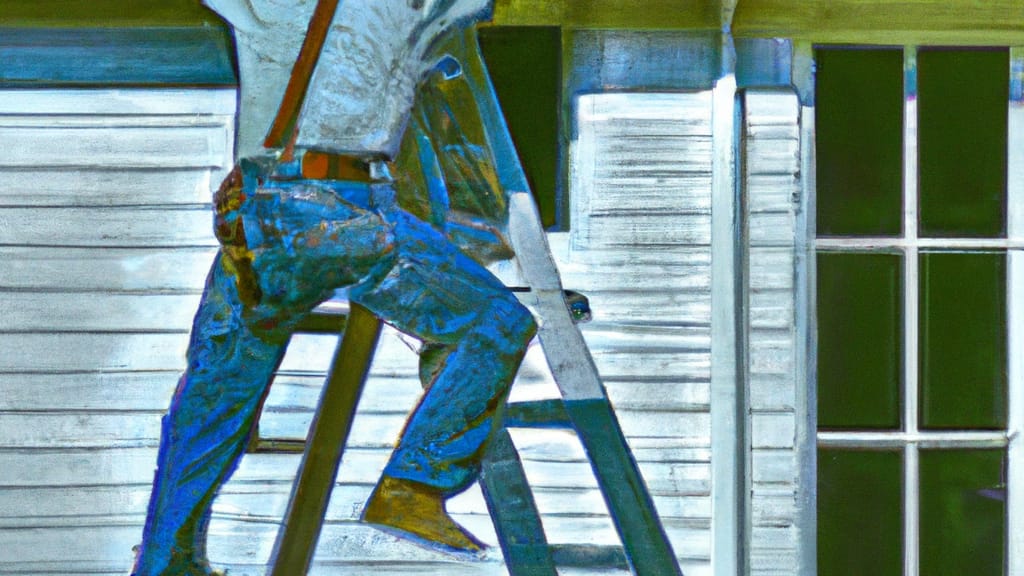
(911, 473)
(1015, 319)
(805, 350)
(728, 419)
(1015, 424)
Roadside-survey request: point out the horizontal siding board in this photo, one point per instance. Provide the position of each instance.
(71, 467)
(771, 310)
(772, 393)
(665, 307)
(107, 227)
(91, 102)
(27, 312)
(105, 187)
(131, 147)
(772, 430)
(657, 229)
(145, 391)
(109, 269)
(79, 352)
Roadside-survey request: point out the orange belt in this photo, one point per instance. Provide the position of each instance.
(326, 166)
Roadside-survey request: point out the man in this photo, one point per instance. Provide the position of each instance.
(391, 175)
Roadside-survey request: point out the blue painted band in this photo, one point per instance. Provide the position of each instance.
(55, 57)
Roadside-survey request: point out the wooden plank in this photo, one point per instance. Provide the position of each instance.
(172, 101)
(46, 312)
(144, 391)
(997, 22)
(107, 227)
(70, 352)
(127, 147)
(67, 466)
(144, 269)
(773, 430)
(654, 14)
(108, 187)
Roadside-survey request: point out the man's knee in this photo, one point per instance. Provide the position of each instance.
(517, 324)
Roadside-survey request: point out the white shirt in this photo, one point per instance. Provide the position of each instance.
(362, 89)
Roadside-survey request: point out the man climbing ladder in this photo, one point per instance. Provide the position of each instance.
(296, 225)
(386, 177)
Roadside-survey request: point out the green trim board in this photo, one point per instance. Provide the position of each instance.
(109, 57)
(649, 14)
(949, 22)
(105, 13)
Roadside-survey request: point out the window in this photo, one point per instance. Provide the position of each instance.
(918, 252)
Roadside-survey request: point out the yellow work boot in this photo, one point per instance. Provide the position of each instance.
(417, 510)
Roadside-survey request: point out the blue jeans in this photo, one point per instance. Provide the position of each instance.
(305, 239)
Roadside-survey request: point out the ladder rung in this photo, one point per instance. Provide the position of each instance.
(537, 414)
(589, 556)
(278, 446)
(322, 322)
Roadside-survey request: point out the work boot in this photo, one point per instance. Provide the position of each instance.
(417, 510)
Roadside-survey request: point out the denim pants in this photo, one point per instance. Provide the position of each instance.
(304, 239)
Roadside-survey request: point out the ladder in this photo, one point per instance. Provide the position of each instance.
(584, 407)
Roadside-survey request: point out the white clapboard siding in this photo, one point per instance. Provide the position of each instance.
(105, 242)
(639, 247)
(772, 160)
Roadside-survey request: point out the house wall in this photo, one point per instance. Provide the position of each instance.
(105, 239)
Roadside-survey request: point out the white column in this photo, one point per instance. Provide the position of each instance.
(1015, 309)
(911, 467)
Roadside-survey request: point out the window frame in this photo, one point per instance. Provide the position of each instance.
(910, 439)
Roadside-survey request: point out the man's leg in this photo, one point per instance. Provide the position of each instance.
(475, 333)
(302, 248)
(205, 429)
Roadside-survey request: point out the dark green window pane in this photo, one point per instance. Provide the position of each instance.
(860, 526)
(962, 513)
(525, 64)
(859, 340)
(962, 108)
(859, 133)
(963, 364)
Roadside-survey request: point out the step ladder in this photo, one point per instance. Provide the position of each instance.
(584, 408)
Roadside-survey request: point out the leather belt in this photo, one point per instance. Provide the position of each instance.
(326, 166)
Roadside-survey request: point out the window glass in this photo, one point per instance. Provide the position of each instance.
(859, 340)
(963, 340)
(860, 530)
(962, 112)
(962, 512)
(859, 130)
